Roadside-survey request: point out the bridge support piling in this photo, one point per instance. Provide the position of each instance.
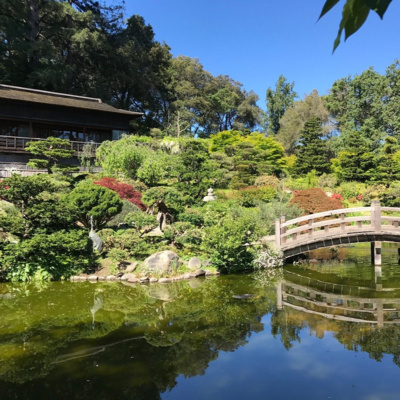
(376, 253)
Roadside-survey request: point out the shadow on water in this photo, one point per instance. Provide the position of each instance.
(113, 340)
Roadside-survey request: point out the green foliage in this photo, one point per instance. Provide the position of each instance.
(388, 169)
(278, 101)
(250, 196)
(351, 189)
(172, 197)
(327, 181)
(192, 215)
(356, 162)
(41, 209)
(120, 218)
(55, 255)
(354, 14)
(118, 255)
(96, 201)
(139, 220)
(225, 243)
(391, 196)
(293, 121)
(53, 150)
(312, 151)
(124, 156)
(266, 180)
(153, 168)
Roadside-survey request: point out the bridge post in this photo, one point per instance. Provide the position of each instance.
(278, 232)
(376, 217)
(376, 253)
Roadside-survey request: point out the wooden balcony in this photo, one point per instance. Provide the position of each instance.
(15, 144)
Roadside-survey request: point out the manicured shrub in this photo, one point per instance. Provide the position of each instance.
(249, 196)
(123, 190)
(172, 197)
(192, 215)
(139, 220)
(266, 180)
(314, 201)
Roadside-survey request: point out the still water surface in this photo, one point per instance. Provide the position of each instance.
(326, 330)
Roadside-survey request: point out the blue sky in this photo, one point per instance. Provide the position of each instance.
(254, 41)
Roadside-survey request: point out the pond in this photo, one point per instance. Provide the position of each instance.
(324, 330)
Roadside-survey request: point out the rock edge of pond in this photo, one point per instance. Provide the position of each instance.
(131, 278)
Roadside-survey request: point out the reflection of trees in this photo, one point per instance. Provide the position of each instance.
(175, 329)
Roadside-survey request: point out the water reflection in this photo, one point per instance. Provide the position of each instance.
(83, 341)
(340, 302)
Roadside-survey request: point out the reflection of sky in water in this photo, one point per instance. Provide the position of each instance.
(312, 369)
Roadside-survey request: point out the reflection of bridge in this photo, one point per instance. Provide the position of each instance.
(339, 302)
(337, 227)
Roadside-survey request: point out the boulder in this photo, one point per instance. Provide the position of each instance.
(131, 267)
(165, 280)
(93, 278)
(126, 277)
(199, 272)
(194, 264)
(133, 280)
(163, 263)
(110, 278)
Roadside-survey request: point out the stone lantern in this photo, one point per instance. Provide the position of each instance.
(210, 195)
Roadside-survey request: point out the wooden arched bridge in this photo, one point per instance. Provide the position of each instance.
(373, 224)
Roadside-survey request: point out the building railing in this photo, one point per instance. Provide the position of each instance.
(16, 144)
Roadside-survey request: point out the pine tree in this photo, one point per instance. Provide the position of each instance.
(313, 153)
(356, 162)
(388, 163)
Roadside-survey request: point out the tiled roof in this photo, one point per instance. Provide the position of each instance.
(59, 99)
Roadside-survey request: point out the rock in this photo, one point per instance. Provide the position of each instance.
(93, 278)
(82, 278)
(153, 280)
(102, 278)
(144, 279)
(194, 264)
(133, 280)
(199, 272)
(131, 267)
(74, 278)
(110, 278)
(163, 263)
(164, 280)
(126, 277)
(186, 276)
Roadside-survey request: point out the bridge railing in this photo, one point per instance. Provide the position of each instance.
(327, 223)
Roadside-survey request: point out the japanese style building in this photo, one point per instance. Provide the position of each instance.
(30, 114)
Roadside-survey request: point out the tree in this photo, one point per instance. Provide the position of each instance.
(124, 156)
(54, 150)
(95, 201)
(388, 169)
(356, 162)
(293, 121)
(354, 14)
(358, 104)
(278, 101)
(312, 151)
(40, 204)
